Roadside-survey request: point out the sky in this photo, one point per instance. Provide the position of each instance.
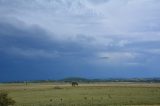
(54, 39)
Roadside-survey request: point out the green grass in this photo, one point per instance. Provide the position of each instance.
(84, 95)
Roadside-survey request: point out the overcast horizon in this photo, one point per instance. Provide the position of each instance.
(55, 39)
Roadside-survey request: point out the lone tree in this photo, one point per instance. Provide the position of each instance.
(5, 100)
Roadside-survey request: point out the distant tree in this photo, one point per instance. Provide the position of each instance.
(5, 100)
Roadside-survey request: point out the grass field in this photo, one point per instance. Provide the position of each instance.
(103, 94)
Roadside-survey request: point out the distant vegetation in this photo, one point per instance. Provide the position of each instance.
(112, 80)
(85, 80)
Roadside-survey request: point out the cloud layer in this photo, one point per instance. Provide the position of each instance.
(77, 37)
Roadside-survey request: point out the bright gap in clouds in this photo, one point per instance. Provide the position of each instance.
(100, 37)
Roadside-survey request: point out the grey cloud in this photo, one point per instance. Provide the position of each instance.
(82, 17)
(32, 53)
(20, 40)
(59, 38)
(99, 1)
(74, 32)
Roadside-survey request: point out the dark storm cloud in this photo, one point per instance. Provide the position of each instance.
(59, 38)
(19, 37)
(30, 50)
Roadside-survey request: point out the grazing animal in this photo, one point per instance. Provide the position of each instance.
(74, 84)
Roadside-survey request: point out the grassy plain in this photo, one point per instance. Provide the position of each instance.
(97, 94)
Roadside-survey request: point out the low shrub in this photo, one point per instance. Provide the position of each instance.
(5, 100)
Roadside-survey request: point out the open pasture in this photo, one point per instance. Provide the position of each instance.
(96, 94)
